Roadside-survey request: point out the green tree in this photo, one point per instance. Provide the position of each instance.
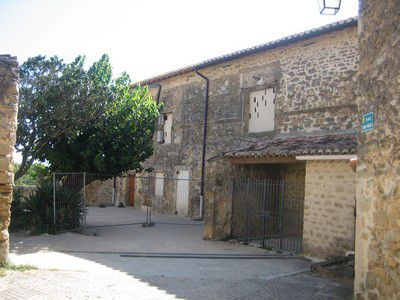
(82, 120)
(35, 173)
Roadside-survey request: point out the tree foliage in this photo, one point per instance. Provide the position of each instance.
(36, 172)
(82, 120)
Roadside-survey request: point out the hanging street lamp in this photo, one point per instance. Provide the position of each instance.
(329, 7)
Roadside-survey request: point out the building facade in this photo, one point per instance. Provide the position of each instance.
(285, 110)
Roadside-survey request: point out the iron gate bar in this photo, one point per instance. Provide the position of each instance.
(281, 216)
(248, 211)
(268, 211)
(264, 214)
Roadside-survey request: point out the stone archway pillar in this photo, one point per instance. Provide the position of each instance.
(9, 71)
(377, 250)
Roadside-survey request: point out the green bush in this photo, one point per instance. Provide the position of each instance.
(17, 210)
(36, 211)
(36, 173)
(70, 209)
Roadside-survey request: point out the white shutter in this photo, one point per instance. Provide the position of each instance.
(262, 111)
(168, 128)
(160, 137)
(182, 193)
(159, 186)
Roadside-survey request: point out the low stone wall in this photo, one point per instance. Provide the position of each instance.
(329, 220)
(8, 128)
(100, 192)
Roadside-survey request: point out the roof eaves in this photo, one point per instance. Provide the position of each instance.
(255, 49)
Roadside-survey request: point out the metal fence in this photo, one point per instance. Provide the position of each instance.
(168, 200)
(268, 212)
(73, 195)
(99, 200)
(69, 211)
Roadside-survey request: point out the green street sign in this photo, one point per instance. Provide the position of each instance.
(367, 122)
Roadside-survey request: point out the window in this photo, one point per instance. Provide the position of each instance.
(159, 186)
(167, 128)
(262, 110)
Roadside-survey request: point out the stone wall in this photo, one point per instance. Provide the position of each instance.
(329, 219)
(8, 126)
(378, 170)
(315, 94)
(100, 192)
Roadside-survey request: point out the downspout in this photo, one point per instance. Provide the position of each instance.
(203, 156)
(114, 190)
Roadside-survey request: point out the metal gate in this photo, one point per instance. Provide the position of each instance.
(268, 212)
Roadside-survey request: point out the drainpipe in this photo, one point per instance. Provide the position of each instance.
(114, 190)
(203, 157)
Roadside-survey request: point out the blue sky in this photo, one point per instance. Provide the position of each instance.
(147, 38)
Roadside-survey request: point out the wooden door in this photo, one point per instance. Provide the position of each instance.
(132, 180)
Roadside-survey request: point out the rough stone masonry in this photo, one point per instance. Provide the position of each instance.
(377, 265)
(8, 128)
(315, 93)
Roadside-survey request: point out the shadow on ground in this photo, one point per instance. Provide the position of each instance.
(96, 262)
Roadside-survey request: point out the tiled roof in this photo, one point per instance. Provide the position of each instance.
(259, 48)
(307, 145)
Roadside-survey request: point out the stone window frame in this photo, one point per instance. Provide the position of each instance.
(245, 95)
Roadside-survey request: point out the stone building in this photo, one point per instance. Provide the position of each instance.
(377, 265)
(8, 127)
(282, 110)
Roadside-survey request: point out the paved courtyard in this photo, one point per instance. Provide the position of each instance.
(167, 261)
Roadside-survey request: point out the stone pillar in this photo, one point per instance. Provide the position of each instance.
(377, 265)
(218, 204)
(8, 128)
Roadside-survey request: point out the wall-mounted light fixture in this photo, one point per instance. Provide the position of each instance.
(329, 7)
